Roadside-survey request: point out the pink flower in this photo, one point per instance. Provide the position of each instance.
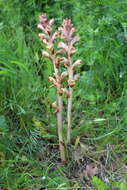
(63, 46)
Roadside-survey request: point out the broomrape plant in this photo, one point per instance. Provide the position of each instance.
(61, 57)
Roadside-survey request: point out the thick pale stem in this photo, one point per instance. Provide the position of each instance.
(69, 115)
(60, 120)
(60, 129)
(69, 109)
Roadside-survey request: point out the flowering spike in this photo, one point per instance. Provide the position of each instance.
(67, 32)
(45, 25)
(48, 37)
(61, 55)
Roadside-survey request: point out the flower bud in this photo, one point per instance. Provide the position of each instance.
(63, 46)
(43, 18)
(51, 22)
(40, 26)
(64, 74)
(48, 29)
(76, 63)
(59, 59)
(51, 79)
(71, 82)
(55, 36)
(54, 105)
(65, 60)
(72, 50)
(45, 41)
(74, 40)
(76, 77)
(46, 54)
(50, 46)
(59, 90)
(72, 31)
(60, 51)
(66, 92)
(42, 36)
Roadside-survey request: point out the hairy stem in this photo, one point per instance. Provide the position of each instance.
(60, 129)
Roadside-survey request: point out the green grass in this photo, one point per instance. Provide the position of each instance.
(27, 122)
